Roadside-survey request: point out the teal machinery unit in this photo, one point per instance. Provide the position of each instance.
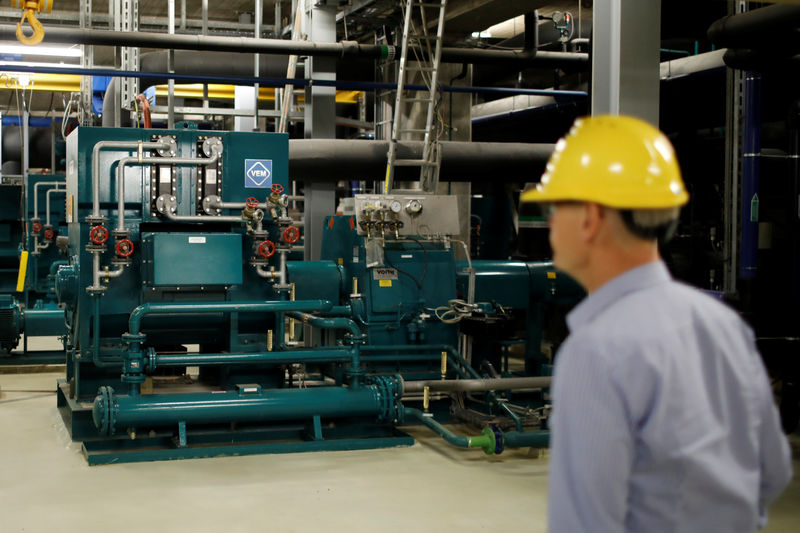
(32, 231)
(178, 247)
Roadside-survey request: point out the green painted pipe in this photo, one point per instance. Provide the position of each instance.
(134, 322)
(341, 355)
(111, 412)
(485, 441)
(520, 439)
(327, 323)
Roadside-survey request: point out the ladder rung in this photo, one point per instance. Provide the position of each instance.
(429, 4)
(417, 100)
(414, 130)
(424, 38)
(421, 69)
(413, 163)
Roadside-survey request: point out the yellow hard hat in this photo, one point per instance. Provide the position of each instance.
(621, 162)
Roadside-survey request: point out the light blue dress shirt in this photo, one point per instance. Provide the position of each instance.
(663, 417)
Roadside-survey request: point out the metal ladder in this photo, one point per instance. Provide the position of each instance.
(426, 50)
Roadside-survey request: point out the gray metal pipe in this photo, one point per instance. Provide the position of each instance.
(475, 385)
(310, 159)
(55, 34)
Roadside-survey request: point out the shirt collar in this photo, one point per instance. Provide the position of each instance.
(635, 279)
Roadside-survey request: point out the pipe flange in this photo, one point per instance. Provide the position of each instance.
(121, 261)
(123, 233)
(104, 411)
(388, 396)
(93, 290)
(130, 338)
(165, 203)
(151, 361)
(171, 150)
(499, 439)
(207, 209)
(95, 220)
(212, 146)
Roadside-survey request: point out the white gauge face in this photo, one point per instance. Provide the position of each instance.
(395, 206)
(414, 207)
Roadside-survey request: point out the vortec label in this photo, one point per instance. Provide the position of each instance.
(258, 173)
(384, 273)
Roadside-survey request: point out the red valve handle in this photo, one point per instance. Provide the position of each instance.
(277, 188)
(266, 249)
(291, 235)
(98, 234)
(251, 202)
(124, 248)
(49, 234)
(37, 227)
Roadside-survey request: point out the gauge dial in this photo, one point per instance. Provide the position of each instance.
(395, 206)
(414, 207)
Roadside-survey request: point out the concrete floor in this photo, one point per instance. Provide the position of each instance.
(46, 486)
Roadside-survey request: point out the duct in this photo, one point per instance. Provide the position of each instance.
(310, 159)
(286, 47)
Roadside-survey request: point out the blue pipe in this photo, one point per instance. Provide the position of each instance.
(281, 82)
(134, 322)
(751, 170)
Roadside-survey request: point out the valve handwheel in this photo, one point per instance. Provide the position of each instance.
(124, 248)
(98, 234)
(251, 202)
(49, 234)
(277, 188)
(266, 249)
(291, 235)
(37, 227)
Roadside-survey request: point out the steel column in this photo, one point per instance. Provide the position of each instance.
(625, 58)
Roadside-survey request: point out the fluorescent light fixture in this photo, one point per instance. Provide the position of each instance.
(12, 64)
(55, 51)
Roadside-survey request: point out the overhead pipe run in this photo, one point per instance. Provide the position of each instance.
(310, 159)
(342, 49)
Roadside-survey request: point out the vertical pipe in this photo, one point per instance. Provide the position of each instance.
(794, 137)
(259, 15)
(751, 169)
(183, 16)
(171, 68)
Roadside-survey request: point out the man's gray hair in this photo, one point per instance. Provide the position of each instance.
(652, 224)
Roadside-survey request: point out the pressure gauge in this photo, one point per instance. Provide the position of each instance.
(395, 206)
(414, 207)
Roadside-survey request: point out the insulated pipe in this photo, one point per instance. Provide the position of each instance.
(473, 385)
(310, 159)
(763, 26)
(291, 47)
(154, 410)
(134, 322)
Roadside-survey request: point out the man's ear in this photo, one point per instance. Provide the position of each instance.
(593, 219)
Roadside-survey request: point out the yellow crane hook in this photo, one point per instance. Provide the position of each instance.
(29, 10)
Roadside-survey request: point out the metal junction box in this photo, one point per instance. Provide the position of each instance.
(190, 259)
